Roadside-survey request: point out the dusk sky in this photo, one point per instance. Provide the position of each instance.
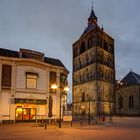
(52, 26)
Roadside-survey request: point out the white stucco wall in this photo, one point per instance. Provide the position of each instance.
(18, 89)
(5, 105)
(28, 95)
(21, 77)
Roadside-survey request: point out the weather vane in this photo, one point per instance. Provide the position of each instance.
(92, 4)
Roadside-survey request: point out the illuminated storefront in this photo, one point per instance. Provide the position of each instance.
(25, 86)
(26, 109)
(25, 113)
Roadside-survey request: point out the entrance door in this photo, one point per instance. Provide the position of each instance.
(25, 114)
(32, 113)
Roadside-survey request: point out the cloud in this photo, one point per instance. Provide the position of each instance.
(52, 26)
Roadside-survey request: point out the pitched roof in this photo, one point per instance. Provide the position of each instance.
(131, 79)
(89, 28)
(92, 15)
(8, 53)
(11, 53)
(92, 23)
(53, 61)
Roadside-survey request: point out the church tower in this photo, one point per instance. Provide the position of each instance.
(93, 72)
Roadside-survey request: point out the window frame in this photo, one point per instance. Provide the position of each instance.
(131, 101)
(31, 73)
(52, 75)
(3, 80)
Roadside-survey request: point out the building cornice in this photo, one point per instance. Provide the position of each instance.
(30, 62)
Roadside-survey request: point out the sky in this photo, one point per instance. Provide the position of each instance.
(52, 26)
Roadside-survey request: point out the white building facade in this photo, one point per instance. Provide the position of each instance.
(25, 86)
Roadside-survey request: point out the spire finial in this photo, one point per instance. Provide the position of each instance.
(92, 5)
(92, 18)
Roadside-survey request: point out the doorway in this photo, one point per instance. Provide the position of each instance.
(25, 114)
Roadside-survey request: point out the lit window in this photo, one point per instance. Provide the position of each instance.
(31, 80)
(52, 81)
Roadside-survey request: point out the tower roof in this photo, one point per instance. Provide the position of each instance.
(92, 22)
(92, 16)
(131, 79)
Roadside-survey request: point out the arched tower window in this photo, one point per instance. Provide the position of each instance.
(83, 47)
(131, 101)
(95, 39)
(105, 45)
(83, 96)
(83, 110)
(120, 102)
(89, 43)
(100, 42)
(75, 52)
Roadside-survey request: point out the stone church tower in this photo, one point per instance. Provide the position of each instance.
(93, 72)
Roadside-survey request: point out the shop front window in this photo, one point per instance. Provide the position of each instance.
(19, 113)
(25, 113)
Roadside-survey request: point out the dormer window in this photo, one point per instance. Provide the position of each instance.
(24, 53)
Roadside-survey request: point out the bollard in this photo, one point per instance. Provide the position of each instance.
(45, 126)
(71, 123)
(81, 123)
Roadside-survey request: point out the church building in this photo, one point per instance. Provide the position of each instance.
(93, 72)
(128, 95)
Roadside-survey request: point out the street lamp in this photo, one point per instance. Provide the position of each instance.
(98, 100)
(66, 89)
(54, 86)
(89, 113)
(119, 98)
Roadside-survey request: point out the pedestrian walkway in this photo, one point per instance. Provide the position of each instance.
(122, 129)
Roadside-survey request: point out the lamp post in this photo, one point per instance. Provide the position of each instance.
(119, 84)
(60, 112)
(66, 89)
(89, 113)
(98, 107)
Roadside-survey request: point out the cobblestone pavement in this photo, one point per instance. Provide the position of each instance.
(121, 129)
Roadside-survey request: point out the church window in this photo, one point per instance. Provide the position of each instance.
(105, 45)
(131, 101)
(83, 47)
(89, 43)
(95, 39)
(75, 52)
(83, 110)
(83, 96)
(120, 102)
